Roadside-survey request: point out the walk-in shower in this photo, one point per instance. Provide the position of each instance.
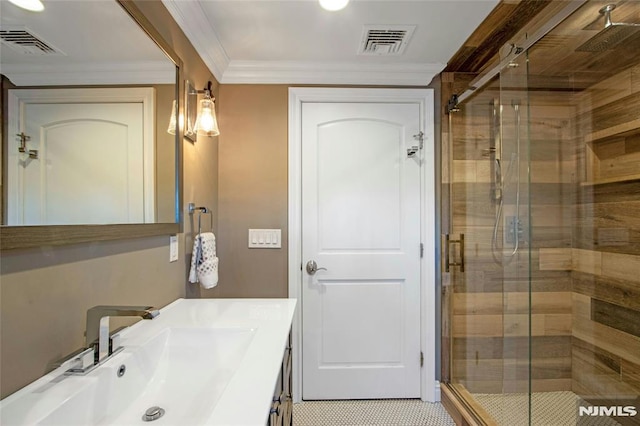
(543, 161)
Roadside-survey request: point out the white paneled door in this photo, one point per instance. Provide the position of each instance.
(94, 161)
(361, 227)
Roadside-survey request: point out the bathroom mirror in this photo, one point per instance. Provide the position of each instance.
(87, 154)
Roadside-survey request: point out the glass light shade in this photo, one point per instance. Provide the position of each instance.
(333, 5)
(172, 119)
(206, 123)
(32, 5)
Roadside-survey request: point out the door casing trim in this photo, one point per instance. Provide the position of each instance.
(425, 99)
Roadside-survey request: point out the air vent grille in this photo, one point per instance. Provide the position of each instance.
(24, 41)
(383, 40)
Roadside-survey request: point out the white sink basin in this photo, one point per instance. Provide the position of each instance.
(171, 362)
(182, 370)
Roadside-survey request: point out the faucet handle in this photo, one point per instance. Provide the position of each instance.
(115, 343)
(80, 363)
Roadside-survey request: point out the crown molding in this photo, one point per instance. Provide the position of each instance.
(190, 16)
(299, 72)
(148, 72)
(193, 21)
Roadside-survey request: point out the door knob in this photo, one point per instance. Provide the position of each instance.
(312, 267)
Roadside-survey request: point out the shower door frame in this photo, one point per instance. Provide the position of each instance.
(505, 133)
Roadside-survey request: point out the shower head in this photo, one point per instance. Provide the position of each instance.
(613, 33)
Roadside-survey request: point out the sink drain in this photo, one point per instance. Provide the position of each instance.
(121, 370)
(153, 413)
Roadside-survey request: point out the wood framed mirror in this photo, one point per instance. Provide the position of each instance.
(67, 214)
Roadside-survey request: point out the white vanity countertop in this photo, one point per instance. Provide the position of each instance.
(208, 362)
(247, 398)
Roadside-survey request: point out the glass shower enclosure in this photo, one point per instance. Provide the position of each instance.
(541, 262)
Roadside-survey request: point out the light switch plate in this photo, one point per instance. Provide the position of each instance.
(173, 248)
(265, 238)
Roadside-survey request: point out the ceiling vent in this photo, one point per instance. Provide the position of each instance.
(26, 42)
(385, 40)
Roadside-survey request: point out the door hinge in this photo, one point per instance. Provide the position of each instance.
(421, 250)
(421, 359)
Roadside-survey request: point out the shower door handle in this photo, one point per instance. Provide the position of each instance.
(447, 262)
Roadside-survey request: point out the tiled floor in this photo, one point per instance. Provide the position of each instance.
(380, 412)
(547, 409)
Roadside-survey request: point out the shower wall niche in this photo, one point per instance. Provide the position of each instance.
(543, 180)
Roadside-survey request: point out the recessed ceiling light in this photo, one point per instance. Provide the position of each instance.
(32, 5)
(333, 5)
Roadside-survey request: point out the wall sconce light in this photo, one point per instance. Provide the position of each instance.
(206, 123)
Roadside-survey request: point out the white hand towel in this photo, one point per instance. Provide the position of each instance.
(204, 263)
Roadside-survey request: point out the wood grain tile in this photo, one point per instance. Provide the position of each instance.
(621, 292)
(511, 325)
(622, 266)
(617, 342)
(555, 259)
(512, 347)
(618, 317)
(587, 261)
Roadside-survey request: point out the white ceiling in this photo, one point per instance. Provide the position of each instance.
(296, 41)
(241, 41)
(99, 41)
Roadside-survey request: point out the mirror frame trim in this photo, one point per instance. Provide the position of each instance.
(19, 237)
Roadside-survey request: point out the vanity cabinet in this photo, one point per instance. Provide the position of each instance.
(281, 413)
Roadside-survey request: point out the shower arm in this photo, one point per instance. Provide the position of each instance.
(606, 11)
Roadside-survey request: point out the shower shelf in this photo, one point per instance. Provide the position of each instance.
(630, 178)
(613, 159)
(621, 130)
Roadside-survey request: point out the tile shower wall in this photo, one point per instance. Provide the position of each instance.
(604, 256)
(606, 242)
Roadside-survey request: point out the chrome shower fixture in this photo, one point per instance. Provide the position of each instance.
(611, 35)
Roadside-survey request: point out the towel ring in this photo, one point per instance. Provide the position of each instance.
(193, 208)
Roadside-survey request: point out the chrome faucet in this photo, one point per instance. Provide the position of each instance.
(98, 326)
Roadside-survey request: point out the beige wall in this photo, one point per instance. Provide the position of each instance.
(252, 189)
(45, 292)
